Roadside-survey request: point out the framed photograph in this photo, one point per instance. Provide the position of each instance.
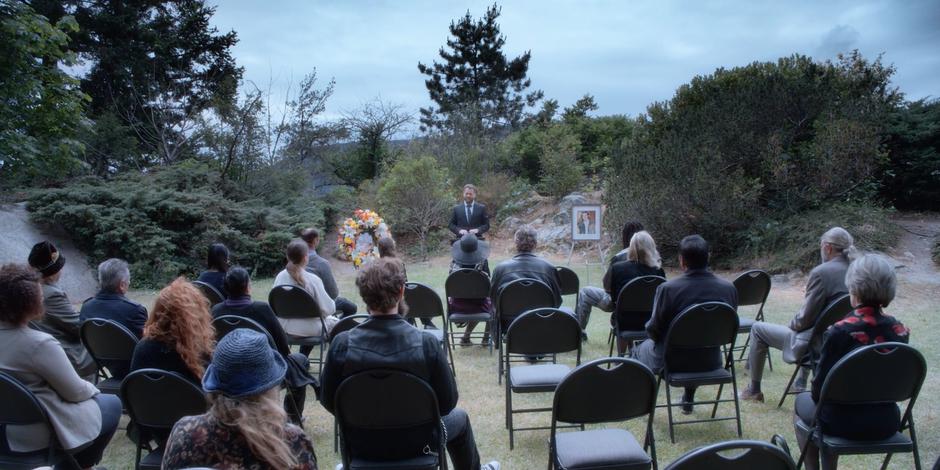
(586, 222)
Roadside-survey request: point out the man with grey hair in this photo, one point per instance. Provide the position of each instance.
(110, 303)
(826, 283)
(525, 265)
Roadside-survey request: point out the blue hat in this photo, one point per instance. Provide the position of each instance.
(243, 364)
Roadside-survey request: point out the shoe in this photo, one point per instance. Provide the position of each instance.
(748, 395)
(686, 406)
(465, 342)
(492, 465)
(584, 337)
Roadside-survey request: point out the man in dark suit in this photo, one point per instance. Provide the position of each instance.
(110, 303)
(469, 216)
(697, 285)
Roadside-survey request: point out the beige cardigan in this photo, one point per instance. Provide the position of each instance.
(308, 326)
(38, 361)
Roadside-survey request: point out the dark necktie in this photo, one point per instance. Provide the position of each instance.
(468, 208)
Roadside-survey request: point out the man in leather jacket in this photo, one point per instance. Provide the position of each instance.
(387, 341)
(525, 265)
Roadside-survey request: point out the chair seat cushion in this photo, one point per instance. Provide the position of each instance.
(537, 378)
(633, 335)
(745, 324)
(464, 317)
(304, 340)
(600, 448)
(438, 334)
(711, 377)
(110, 386)
(894, 444)
(416, 463)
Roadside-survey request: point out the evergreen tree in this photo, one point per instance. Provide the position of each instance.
(477, 88)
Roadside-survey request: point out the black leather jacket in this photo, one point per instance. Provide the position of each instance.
(525, 266)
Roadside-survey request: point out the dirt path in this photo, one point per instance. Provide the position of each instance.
(18, 237)
(912, 254)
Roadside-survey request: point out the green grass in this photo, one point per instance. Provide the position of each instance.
(484, 399)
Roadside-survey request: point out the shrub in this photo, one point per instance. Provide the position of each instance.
(560, 171)
(414, 197)
(936, 252)
(162, 222)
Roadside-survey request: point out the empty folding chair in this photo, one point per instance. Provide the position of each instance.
(696, 330)
(834, 312)
(515, 298)
(540, 331)
(424, 303)
(604, 391)
(903, 370)
(753, 288)
(111, 345)
(735, 455)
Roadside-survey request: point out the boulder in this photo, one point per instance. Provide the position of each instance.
(571, 200)
(510, 225)
(562, 218)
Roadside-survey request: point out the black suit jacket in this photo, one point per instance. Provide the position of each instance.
(478, 219)
(118, 308)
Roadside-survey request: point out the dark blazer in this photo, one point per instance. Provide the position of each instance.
(115, 307)
(262, 314)
(672, 297)
(321, 267)
(625, 271)
(525, 266)
(478, 219)
(215, 279)
(153, 354)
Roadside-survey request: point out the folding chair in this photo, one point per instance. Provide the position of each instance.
(753, 287)
(835, 311)
(735, 455)
(155, 400)
(604, 391)
(633, 309)
(406, 408)
(20, 407)
(699, 327)
(212, 294)
(111, 345)
(347, 323)
(903, 370)
(226, 324)
(539, 331)
(295, 302)
(515, 298)
(568, 282)
(469, 284)
(423, 303)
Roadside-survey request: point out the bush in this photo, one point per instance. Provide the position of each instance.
(936, 252)
(414, 197)
(912, 176)
(793, 243)
(560, 171)
(162, 222)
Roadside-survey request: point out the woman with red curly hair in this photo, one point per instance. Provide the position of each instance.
(178, 335)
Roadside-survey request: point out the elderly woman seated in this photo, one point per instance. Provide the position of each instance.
(871, 282)
(245, 426)
(82, 419)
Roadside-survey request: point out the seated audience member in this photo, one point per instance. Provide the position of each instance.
(60, 320)
(178, 336)
(642, 260)
(604, 299)
(386, 340)
(82, 419)
(239, 303)
(524, 265)
(110, 303)
(295, 275)
(321, 267)
(696, 285)
(871, 283)
(826, 283)
(244, 427)
(216, 266)
(389, 250)
(470, 253)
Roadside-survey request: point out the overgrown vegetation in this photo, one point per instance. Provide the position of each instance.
(163, 222)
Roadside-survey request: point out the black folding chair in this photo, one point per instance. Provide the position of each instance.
(699, 327)
(604, 391)
(346, 324)
(226, 324)
(405, 412)
(212, 294)
(111, 345)
(19, 407)
(753, 288)
(469, 284)
(735, 455)
(424, 303)
(295, 302)
(568, 282)
(155, 400)
(536, 332)
(835, 311)
(515, 298)
(902, 370)
(633, 309)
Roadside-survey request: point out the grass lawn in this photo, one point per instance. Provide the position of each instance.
(484, 399)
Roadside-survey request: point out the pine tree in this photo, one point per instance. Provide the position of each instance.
(477, 88)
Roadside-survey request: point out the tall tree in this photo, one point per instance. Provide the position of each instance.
(477, 88)
(373, 125)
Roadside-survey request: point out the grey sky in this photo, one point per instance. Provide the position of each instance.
(626, 53)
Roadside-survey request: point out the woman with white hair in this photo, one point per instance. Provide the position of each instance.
(642, 260)
(871, 283)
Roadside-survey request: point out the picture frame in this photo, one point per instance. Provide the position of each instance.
(586, 222)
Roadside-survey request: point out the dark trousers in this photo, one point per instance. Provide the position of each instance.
(461, 445)
(345, 307)
(89, 456)
(297, 379)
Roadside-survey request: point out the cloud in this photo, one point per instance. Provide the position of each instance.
(840, 39)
